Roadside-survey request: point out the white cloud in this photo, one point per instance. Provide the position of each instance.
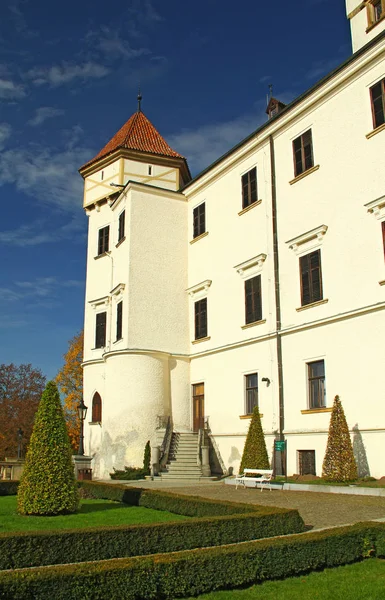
(43, 232)
(5, 133)
(66, 73)
(50, 177)
(204, 145)
(41, 292)
(113, 45)
(10, 90)
(43, 113)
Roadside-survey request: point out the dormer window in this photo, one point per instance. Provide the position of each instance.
(274, 107)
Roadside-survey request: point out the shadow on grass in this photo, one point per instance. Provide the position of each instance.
(100, 507)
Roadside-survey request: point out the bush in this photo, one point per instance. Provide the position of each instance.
(8, 488)
(254, 453)
(198, 571)
(134, 473)
(339, 464)
(47, 485)
(232, 523)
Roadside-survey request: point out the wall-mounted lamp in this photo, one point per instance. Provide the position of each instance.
(267, 380)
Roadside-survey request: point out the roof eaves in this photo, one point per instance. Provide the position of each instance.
(287, 108)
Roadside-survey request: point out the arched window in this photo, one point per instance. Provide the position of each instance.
(96, 408)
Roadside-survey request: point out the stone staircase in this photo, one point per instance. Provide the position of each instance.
(183, 454)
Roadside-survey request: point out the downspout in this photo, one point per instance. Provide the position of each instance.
(279, 457)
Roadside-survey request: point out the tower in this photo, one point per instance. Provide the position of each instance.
(136, 313)
(367, 20)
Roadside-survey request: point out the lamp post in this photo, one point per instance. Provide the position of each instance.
(20, 434)
(82, 412)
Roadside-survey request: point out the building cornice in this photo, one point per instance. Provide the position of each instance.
(305, 102)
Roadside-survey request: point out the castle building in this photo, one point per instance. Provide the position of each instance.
(259, 281)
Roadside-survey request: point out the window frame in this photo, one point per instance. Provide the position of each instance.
(200, 319)
(321, 393)
(302, 272)
(377, 124)
(100, 338)
(253, 314)
(383, 236)
(96, 412)
(249, 195)
(119, 320)
(371, 12)
(103, 240)
(199, 220)
(121, 226)
(248, 388)
(302, 149)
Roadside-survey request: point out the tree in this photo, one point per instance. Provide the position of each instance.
(255, 453)
(70, 383)
(47, 485)
(339, 463)
(21, 387)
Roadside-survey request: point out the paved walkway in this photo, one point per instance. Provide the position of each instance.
(317, 510)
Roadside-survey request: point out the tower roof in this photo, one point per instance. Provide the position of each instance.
(138, 133)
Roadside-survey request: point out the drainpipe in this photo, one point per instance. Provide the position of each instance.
(279, 456)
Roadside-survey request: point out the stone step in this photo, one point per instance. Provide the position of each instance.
(183, 469)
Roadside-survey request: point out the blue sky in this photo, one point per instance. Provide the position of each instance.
(69, 74)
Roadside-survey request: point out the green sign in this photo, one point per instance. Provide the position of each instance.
(280, 445)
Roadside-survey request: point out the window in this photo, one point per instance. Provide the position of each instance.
(376, 11)
(103, 242)
(96, 408)
(316, 383)
(306, 462)
(303, 153)
(377, 97)
(201, 319)
(311, 278)
(119, 320)
(149, 169)
(100, 330)
(122, 218)
(253, 300)
(251, 389)
(199, 218)
(249, 188)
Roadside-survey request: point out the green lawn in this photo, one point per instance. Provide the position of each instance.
(361, 581)
(92, 513)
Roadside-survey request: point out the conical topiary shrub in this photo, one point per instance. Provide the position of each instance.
(48, 485)
(339, 463)
(255, 453)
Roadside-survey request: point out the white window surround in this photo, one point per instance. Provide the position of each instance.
(251, 267)
(308, 240)
(199, 290)
(99, 302)
(117, 291)
(377, 208)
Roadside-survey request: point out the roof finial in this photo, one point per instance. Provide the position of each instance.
(139, 99)
(270, 90)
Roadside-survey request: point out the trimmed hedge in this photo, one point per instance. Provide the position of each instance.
(29, 549)
(195, 572)
(9, 488)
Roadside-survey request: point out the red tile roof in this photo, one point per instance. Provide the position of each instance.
(137, 134)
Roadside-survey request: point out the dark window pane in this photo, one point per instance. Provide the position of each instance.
(249, 187)
(96, 408)
(119, 320)
(251, 393)
(103, 240)
(201, 319)
(121, 226)
(311, 278)
(253, 300)
(303, 153)
(199, 220)
(317, 390)
(377, 93)
(100, 330)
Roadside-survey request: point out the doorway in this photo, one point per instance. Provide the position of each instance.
(198, 406)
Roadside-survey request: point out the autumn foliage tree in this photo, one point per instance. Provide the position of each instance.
(70, 383)
(21, 387)
(339, 463)
(255, 453)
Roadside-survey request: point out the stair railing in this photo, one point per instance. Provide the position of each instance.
(199, 446)
(165, 422)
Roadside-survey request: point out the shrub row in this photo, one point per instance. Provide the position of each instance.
(29, 549)
(8, 488)
(191, 506)
(195, 572)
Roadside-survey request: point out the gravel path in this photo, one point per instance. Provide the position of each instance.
(318, 510)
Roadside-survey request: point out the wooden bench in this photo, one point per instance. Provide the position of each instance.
(258, 476)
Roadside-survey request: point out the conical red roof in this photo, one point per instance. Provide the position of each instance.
(137, 134)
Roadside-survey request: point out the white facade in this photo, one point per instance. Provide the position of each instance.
(163, 268)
